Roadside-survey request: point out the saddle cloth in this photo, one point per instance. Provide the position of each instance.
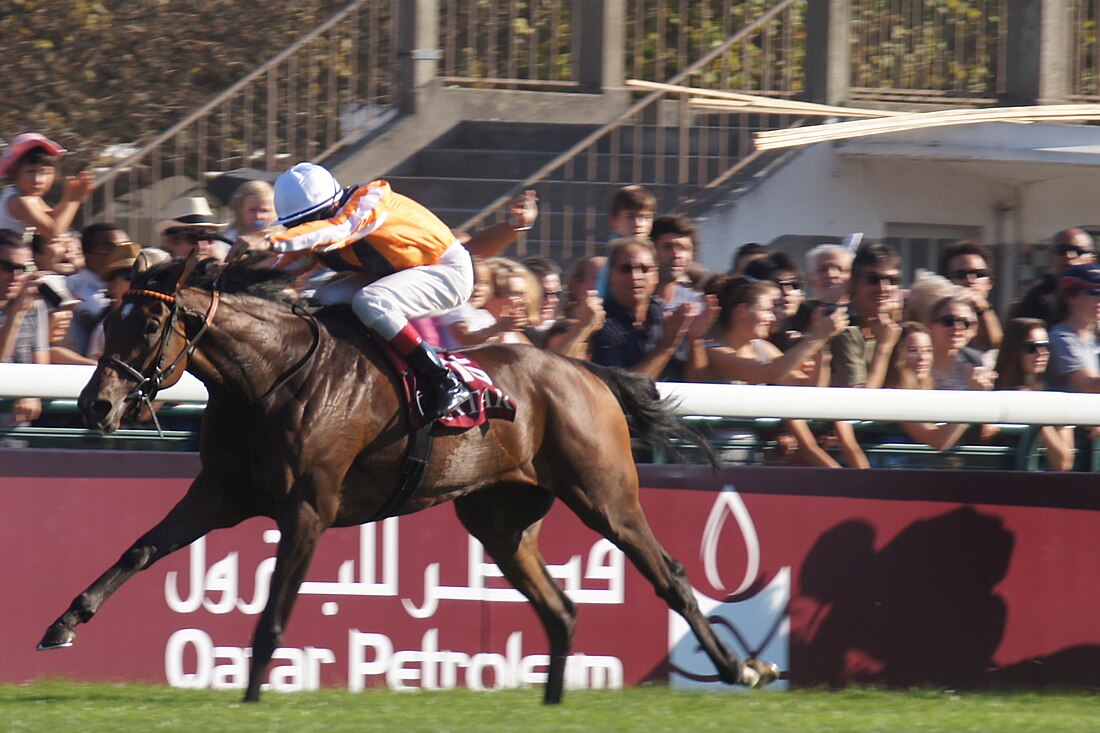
(486, 399)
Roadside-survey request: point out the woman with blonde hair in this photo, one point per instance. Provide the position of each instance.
(513, 300)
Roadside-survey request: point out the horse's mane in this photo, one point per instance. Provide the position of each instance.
(237, 277)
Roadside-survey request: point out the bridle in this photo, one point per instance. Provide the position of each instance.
(154, 372)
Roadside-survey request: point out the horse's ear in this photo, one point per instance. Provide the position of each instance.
(148, 257)
(188, 268)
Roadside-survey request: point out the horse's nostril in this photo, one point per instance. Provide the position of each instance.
(99, 409)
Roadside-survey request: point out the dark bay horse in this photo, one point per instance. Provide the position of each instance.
(305, 425)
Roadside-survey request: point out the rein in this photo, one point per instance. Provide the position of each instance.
(286, 376)
(148, 385)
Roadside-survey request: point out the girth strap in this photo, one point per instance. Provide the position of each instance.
(412, 471)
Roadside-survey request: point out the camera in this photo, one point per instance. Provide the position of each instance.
(55, 292)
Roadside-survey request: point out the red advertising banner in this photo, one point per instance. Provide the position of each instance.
(894, 577)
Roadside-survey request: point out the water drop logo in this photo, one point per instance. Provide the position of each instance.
(753, 624)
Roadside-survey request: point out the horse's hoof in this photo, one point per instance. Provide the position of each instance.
(57, 636)
(765, 673)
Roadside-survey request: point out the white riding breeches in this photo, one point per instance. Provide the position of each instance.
(387, 304)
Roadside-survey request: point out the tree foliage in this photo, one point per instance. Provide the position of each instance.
(91, 73)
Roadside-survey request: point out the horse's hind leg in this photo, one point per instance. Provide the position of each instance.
(615, 513)
(202, 509)
(503, 519)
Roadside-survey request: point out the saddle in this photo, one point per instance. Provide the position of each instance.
(486, 399)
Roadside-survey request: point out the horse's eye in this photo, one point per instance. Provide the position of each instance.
(151, 328)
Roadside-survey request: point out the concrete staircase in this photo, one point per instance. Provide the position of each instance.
(461, 172)
(475, 162)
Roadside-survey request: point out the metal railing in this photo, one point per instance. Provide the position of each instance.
(742, 421)
(510, 43)
(303, 104)
(661, 142)
(341, 78)
(530, 43)
(928, 50)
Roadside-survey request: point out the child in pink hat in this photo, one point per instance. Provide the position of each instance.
(30, 163)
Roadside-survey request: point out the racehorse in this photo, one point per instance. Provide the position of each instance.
(306, 424)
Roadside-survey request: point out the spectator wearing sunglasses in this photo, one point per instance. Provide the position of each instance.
(794, 316)
(97, 241)
(1021, 365)
(636, 333)
(1068, 247)
(548, 274)
(791, 317)
(189, 226)
(24, 320)
(1074, 363)
(954, 364)
(861, 353)
(969, 265)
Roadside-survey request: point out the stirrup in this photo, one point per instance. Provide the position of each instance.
(444, 401)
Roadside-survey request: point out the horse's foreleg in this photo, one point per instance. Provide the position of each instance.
(618, 516)
(503, 520)
(201, 510)
(300, 531)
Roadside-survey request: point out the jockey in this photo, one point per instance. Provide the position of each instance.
(395, 261)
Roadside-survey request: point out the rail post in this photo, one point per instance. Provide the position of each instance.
(828, 60)
(600, 40)
(419, 50)
(1037, 59)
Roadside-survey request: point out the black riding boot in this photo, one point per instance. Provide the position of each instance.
(440, 391)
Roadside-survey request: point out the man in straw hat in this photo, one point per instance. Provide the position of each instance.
(101, 242)
(187, 227)
(396, 261)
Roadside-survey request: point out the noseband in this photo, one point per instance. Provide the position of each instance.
(148, 385)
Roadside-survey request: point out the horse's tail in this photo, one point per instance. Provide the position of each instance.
(648, 414)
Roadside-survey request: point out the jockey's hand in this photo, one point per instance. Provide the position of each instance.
(255, 243)
(239, 248)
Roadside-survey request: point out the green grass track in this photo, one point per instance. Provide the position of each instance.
(103, 708)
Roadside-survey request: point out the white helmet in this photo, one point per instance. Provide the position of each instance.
(303, 190)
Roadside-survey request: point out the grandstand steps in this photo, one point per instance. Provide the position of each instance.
(476, 162)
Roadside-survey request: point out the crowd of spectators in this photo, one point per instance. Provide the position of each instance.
(643, 304)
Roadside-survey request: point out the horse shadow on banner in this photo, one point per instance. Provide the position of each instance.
(920, 611)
